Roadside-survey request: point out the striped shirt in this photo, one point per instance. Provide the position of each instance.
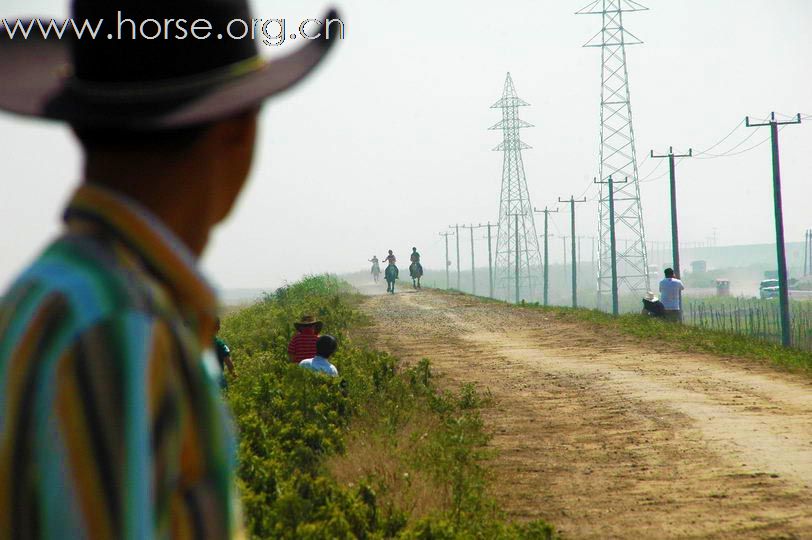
(111, 423)
(303, 344)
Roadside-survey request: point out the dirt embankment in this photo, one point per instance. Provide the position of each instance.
(606, 437)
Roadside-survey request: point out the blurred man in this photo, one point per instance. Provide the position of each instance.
(111, 422)
(671, 296)
(223, 356)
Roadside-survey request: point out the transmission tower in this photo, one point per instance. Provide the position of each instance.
(618, 155)
(517, 249)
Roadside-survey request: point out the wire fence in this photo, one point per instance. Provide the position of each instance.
(760, 319)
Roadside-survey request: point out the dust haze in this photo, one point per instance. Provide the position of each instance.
(388, 144)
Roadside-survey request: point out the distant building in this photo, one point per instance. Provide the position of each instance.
(699, 266)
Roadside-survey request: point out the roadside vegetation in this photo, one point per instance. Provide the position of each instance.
(378, 452)
(691, 338)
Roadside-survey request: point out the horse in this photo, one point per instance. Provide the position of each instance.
(376, 272)
(416, 272)
(391, 275)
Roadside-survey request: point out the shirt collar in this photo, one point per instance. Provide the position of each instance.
(163, 253)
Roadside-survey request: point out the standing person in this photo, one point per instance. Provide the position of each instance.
(303, 343)
(325, 348)
(223, 356)
(111, 422)
(671, 296)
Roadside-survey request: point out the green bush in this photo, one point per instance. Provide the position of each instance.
(290, 421)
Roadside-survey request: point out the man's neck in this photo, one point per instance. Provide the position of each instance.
(168, 190)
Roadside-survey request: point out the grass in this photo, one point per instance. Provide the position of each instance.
(690, 338)
(379, 452)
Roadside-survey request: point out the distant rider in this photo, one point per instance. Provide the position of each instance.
(390, 258)
(376, 269)
(415, 257)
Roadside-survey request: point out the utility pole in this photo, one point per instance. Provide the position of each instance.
(447, 262)
(546, 213)
(564, 245)
(783, 289)
(612, 239)
(490, 260)
(674, 229)
(473, 266)
(573, 202)
(516, 237)
(457, 232)
(808, 253)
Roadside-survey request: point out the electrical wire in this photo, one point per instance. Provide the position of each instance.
(726, 137)
(729, 151)
(746, 149)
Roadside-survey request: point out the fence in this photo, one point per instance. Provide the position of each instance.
(757, 318)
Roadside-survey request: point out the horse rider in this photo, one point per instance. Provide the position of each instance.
(415, 257)
(376, 269)
(415, 269)
(391, 273)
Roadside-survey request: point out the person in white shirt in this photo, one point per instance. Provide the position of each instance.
(326, 345)
(671, 296)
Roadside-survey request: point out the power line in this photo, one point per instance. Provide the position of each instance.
(730, 150)
(742, 151)
(726, 137)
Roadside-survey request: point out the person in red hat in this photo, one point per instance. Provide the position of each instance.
(303, 343)
(111, 421)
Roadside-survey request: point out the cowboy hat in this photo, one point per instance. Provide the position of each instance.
(306, 321)
(125, 79)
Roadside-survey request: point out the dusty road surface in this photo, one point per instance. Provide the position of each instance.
(607, 437)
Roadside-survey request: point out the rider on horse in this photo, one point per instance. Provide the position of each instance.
(415, 269)
(376, 269)
(391, 273)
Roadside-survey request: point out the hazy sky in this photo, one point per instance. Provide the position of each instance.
(388, 144)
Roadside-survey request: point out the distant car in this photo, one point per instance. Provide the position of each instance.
(768, 289)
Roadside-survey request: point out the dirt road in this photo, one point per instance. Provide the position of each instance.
(607, 437)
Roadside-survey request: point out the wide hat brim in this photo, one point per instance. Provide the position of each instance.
(38, 82)
(300, 325)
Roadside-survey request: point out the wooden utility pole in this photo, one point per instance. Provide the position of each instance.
(490, 260)
(516, 237)
(674, 229)
(613, 240)
(473, 265)
(783, 286)
(457, 232)
(572, 201)
(447, 262)
(546, 213)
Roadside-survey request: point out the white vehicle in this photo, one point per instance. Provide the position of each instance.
(768, 289)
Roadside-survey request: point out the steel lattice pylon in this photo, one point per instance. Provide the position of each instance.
(618, 156)
(514, 206)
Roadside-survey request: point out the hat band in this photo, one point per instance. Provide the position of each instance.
(167, 88)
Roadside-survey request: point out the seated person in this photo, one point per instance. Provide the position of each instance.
(303, 343)
(326, 345)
